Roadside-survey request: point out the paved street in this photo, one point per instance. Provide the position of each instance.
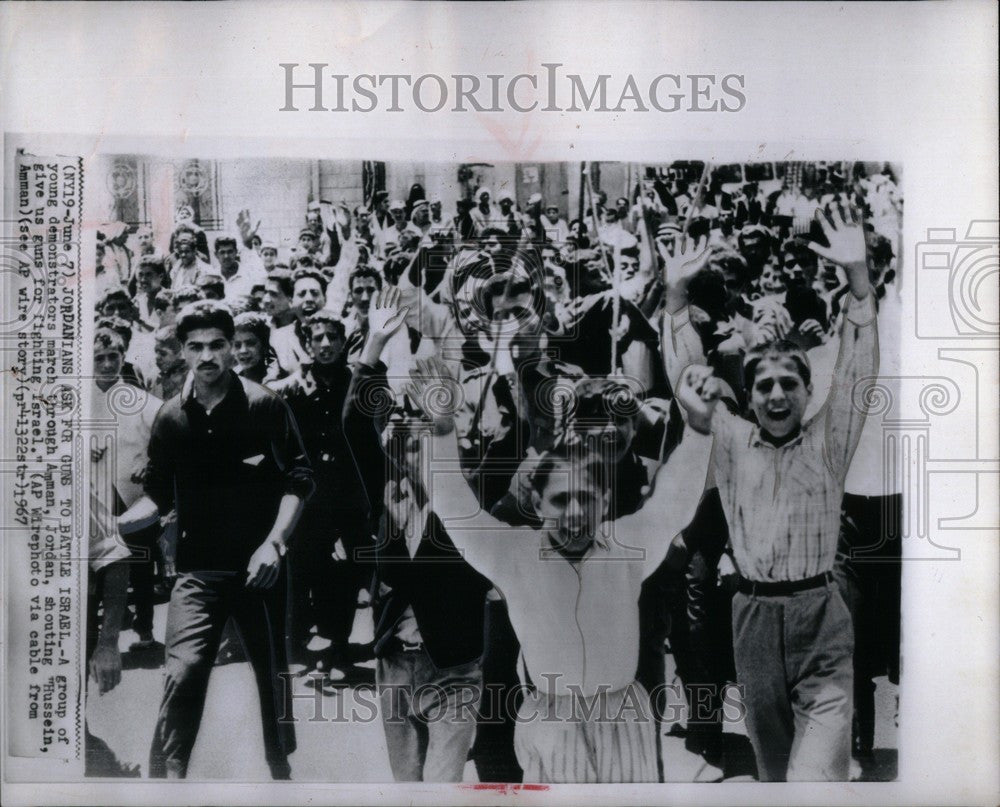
(332, 748)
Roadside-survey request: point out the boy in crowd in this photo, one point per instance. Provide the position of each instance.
(170, 363)
(123, 466)
(277, 299)
(781, 482)
(326, 573)
(149, 277)
(572, 588)
(290, 342)
(428, 602)
(187, 267)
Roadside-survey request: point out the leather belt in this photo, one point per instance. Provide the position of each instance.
(782, 587)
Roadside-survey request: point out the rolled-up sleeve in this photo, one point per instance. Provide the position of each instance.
(290, 454)
(857, 362)
(158, 481)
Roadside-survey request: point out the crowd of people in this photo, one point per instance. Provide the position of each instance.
(542, 450)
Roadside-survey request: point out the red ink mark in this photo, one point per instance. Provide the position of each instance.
(506, 789)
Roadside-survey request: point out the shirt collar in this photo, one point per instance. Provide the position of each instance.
(235, 390)
(757, 439)
(550, 551)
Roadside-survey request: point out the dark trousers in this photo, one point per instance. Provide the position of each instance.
(325, 590)
(145, 551)
(493, 753)
(793, 664)
(700, 625)
(100, 760)
(868, 570)
(200, 604)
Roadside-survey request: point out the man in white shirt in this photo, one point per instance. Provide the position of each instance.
(572, 588)
(387, 239)
(187, 268)
(238, 279)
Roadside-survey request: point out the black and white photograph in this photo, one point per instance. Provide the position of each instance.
(499, 403)
(516, 473)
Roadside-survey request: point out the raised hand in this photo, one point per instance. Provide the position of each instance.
(342, 215)
(847, 247)
(698, 393)
(436, 392)
(384, 314)
(812, 329)
(770, 323)
(682, 258)
(243, 223)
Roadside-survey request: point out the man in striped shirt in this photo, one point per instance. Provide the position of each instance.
(781, 481)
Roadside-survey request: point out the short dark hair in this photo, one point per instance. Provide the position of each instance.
(365, 271)
(497, 286)
(223, 240)
(488, 232)
(730, 261)
(154, 262)
(880, 252)
(707, 290)
(114, 293)
(395, 265)
(604, 400)
(755, 231)
(167, 335)
(183, 229)
(408, 241)
(552, 459)
(778, 349)
(309, 274)
(254, 323)
(205, 314)
(107, 339)
(213, 283)
(629, 252)
(185, 296)
(119, 326)
(284, 280)
(298, 262)
(163, 299)
(325, 318)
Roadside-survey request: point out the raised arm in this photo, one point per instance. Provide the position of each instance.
(486, 542)
(370, 399)
(680, 481)
(434, 321)
(844, 412)
(681, 343)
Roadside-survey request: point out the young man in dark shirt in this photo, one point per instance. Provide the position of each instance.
(226, 453)
(326, 573)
